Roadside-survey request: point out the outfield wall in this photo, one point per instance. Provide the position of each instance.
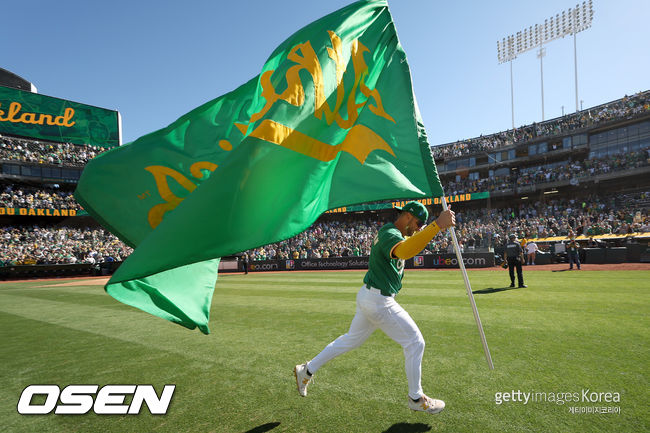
(630, 254)
(53, 271)
(428, 261)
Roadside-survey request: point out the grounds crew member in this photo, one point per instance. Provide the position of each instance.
(515, 257)
(376, 305)
(572, 250)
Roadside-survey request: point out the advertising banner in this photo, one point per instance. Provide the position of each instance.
(434, 261)
(425, 201)
(334, 263)
(427, 261)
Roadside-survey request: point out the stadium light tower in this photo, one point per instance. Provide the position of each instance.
(569, 22)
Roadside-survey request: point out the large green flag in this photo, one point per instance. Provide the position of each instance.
(330, 121)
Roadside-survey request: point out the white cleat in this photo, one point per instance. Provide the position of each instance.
(426, 404)
(302, 378)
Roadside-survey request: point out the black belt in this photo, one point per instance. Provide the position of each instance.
(375, 290)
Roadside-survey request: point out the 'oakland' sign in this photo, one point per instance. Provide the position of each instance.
(28, 114)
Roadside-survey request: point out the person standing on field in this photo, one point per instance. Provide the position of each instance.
(573, 248)
(515, 257)
(376, 305)
(531, 249)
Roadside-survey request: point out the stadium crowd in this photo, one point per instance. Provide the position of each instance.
(475, 228)
(324, 239)
(567, 170)
(18, 196)
(591, 217)
(627, 107)
(16, 149)
(58, 245)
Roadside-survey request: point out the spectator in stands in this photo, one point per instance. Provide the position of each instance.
(43, 245)
(18, 196)
(570, 171)
(19, 149)
(624, 108)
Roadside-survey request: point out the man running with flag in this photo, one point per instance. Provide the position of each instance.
(376, 305)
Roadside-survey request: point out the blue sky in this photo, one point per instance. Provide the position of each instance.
(156, 60)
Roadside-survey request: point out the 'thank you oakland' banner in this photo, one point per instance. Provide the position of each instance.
(43, 117)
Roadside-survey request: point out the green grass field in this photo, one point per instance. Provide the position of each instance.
(566, 333)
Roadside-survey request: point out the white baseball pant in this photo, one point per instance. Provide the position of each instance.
(377, 311)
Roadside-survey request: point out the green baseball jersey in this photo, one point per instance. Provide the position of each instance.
(385, 273)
